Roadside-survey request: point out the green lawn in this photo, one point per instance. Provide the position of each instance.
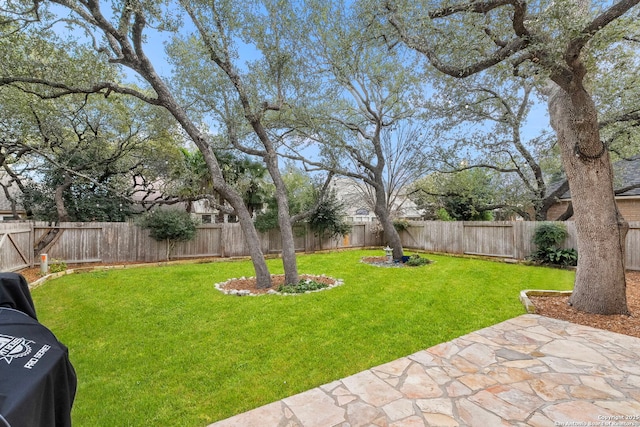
(159, 346)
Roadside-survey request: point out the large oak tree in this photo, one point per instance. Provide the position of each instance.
(361, 121)
(119, 34)
(556, 41)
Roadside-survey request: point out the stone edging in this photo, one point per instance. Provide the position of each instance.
(528, 305)
(44, 279)
(33, 285)
(244, 292)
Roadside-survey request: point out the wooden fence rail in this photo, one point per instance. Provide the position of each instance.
(16, 246)
(505, 239)
(126, 242)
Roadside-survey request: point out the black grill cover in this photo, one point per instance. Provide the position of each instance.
(14, 293)
(37, 381)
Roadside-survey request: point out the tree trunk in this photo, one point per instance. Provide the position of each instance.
(228, 193)
(220, 215)
(390, 233)
(263, 277)
(63, 214)
(601, 231)
(289, 261)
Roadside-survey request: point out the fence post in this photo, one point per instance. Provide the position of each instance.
(44, 264)
(424, 236)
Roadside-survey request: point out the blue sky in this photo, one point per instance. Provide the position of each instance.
(156, 42)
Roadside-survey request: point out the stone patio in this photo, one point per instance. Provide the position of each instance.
(527, 371)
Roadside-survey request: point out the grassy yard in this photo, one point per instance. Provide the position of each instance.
(160, 346)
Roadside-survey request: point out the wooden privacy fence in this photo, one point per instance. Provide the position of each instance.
(505, 239)
(16, 246)
(126, 242)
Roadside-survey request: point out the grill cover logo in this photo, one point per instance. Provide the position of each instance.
(14, 347)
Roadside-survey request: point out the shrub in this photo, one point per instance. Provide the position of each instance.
(56, 266)
(301, 287)
(443, 215)
(400, 224)
(169, 225)
(328, 219)
(415, 261)
(266, 221)
(549, 234)
(555, 256)
(547, 237)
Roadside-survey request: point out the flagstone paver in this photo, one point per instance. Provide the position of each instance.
(528, 371)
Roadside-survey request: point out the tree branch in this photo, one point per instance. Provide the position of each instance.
(626, 117)
(322, 194)
(627, 188)
(503, 52)
(64, 89)
(611, 14)
(472, 6)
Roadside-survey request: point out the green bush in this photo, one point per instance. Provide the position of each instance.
(415, 261)
(443, 215)
(548, 236)
(171, 226)
(56, 266)
(400, 224)
(328, 219)
(266, 221)
(555, 256)
(301, 287)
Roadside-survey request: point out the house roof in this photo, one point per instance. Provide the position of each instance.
(626, 173)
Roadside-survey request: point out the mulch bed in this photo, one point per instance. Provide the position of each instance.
(249, 283)
(558, 307)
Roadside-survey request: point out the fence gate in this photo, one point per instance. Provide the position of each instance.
(489, 239)
(16, 249)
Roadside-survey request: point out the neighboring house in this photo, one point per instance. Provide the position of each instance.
(6, 211)
(626, 179)
(200, 209)
(207, 214)
(357, 199)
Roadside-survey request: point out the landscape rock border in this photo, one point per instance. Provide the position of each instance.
(90, 269)
(245, 292)
(382, 261)
(528, 304)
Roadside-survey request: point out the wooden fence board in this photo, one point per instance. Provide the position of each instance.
(357, 236)
(15, 247)
(632, 253)
(119, 242)
(126, 242)
(205, 244)
(76, 242)
(522, 234)
(489, 238)
(435, 236)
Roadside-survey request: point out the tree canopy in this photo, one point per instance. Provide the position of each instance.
(276, 79)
